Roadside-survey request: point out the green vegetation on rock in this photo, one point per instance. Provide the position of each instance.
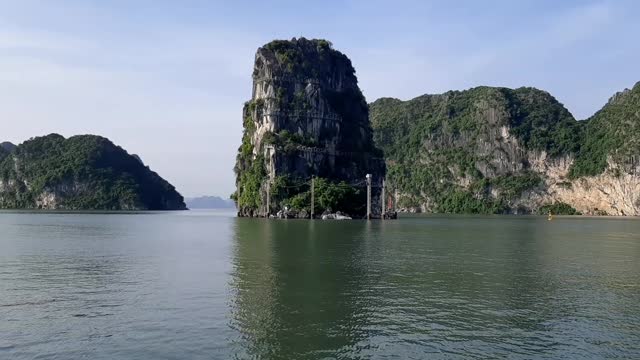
(307, 118)
(482, 150)
(81, 173)
(613, 131)
(540, 122)
(287, 141)
(293, 57)
(470, 151)
(558, 208)
(448, 148)
(250, 172)
(329, 195)
(250, 182)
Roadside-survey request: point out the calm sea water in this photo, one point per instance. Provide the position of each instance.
(206, 285)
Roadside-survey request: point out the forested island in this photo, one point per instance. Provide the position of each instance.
(310, 138)
(83, 172)
(484, 150)
(499, 150)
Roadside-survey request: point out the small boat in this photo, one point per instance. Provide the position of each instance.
(336, 216)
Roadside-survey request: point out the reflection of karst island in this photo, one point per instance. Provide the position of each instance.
(482, 150)
(288, 277)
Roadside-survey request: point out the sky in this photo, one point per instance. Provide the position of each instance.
(167, 79)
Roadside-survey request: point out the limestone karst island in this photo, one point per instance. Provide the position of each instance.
(483, 150)
(306, 122)
(312, 146)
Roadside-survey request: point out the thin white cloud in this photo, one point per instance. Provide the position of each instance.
(516, 59)
(172, 91)
(186, 132)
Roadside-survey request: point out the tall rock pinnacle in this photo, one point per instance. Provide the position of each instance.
(307, 118)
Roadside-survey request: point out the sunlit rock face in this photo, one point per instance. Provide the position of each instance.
(499, 150)
(307, 117)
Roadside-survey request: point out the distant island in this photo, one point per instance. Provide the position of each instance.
(85, 172)
(486, 150)
(209, 202)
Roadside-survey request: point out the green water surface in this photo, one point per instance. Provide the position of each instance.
(207, 285)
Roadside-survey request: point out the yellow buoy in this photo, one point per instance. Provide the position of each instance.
(550, 216)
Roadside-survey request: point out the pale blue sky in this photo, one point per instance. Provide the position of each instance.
(167, 79)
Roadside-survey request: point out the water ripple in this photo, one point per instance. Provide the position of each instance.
(201, 287)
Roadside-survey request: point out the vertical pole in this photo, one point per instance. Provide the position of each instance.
(268, 156)
(268, 196)
(313, 196)
(383, 201)
(368, 196)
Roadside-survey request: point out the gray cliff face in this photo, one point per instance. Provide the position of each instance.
(614, 192)
(55, 197)
(324, 105)
(307, 117)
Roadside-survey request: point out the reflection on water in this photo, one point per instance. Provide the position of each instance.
(438, 287)
(202, 285)
(299, 288)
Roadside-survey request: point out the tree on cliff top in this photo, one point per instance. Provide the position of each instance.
(612, 131)
(295, 57)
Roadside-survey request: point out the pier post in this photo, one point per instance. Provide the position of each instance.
(395, 200)
(368, 196)
(382, 198)
(268, 197)
(313, 196)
